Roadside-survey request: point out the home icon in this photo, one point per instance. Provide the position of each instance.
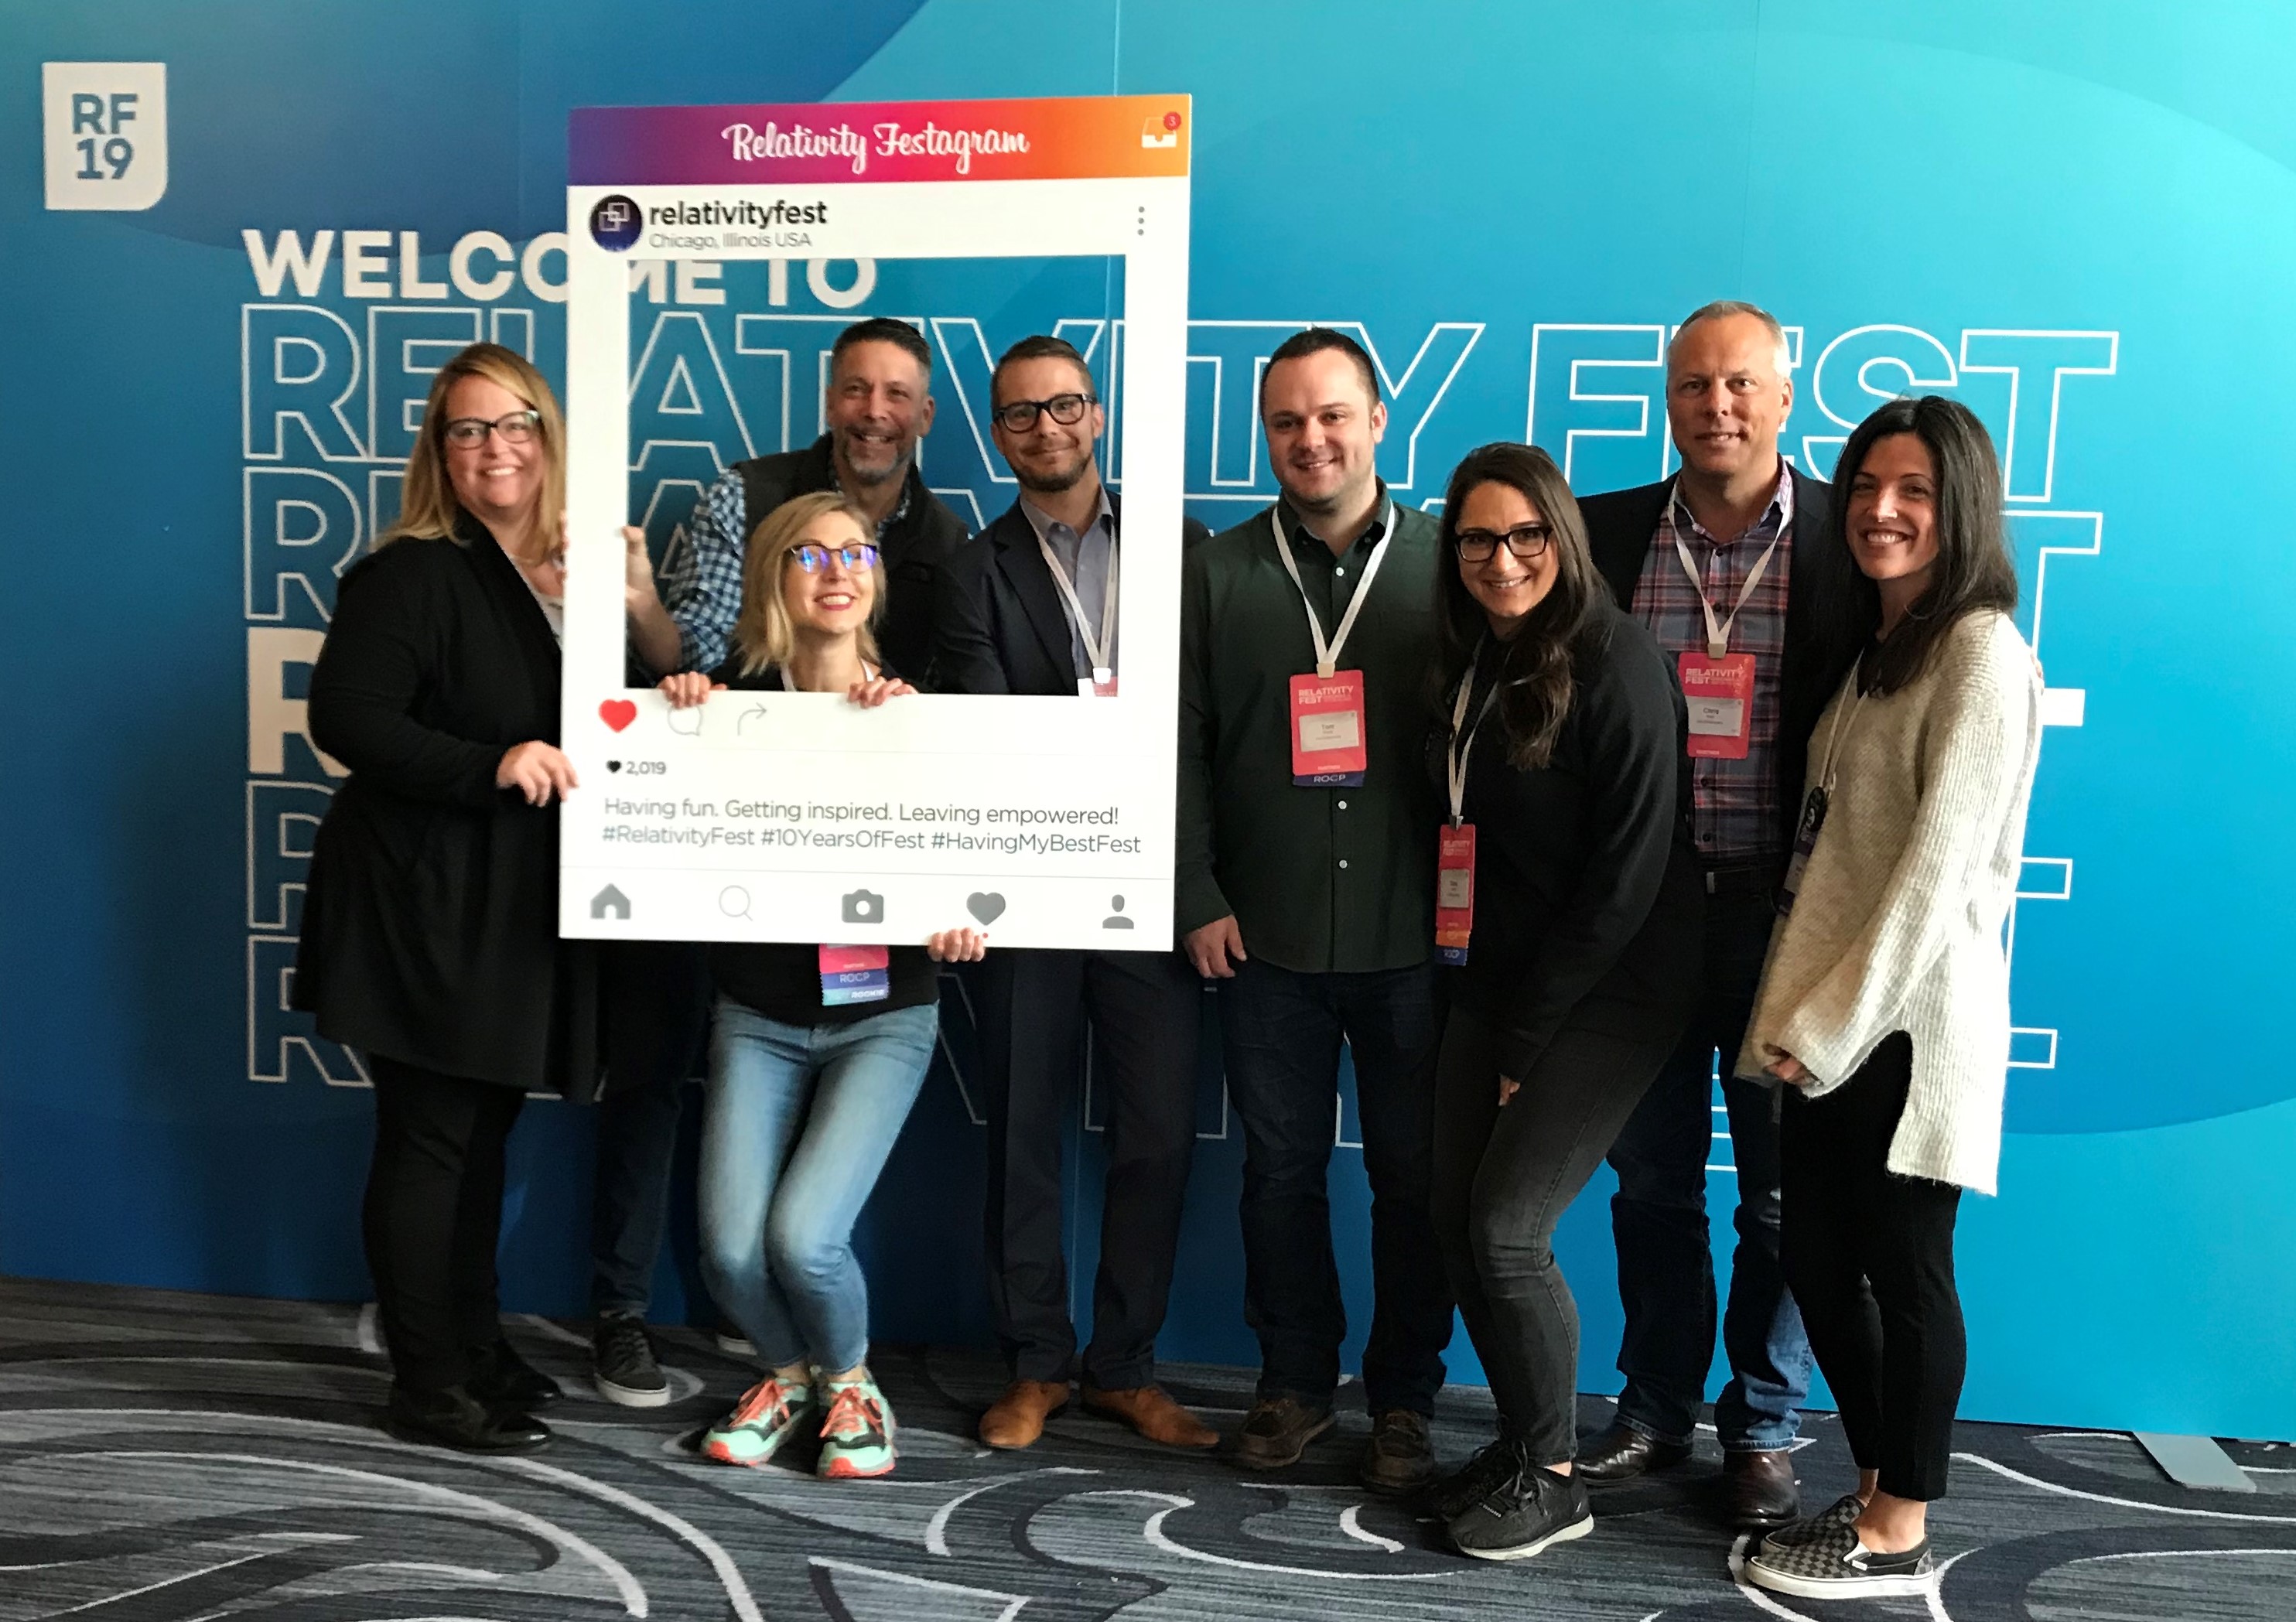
(610, 902)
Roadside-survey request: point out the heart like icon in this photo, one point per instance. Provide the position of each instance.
(613, 766)
(618, 713)
(985, 906)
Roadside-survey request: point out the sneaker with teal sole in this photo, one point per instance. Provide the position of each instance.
(762, 1423)
(857, 1433)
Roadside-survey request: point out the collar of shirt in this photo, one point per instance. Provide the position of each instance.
(1059, 536)
(1762, 527)
(1382, 520)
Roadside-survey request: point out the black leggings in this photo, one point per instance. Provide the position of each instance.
(434, 1194)
(1504, 1178)
(1869, 1257)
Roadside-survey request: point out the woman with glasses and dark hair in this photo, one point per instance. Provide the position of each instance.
(1884, 1005)
(430, 932)
(817, 1052)
(1568, 903)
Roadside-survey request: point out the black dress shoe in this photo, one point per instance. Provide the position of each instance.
(1623, 1454)
(455, 1418)
(502, 1378)
(1760, 1488)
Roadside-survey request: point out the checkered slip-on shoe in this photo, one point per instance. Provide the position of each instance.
(1834, 1565)
(1844, 1512)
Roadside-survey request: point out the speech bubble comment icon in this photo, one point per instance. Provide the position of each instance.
(734, 901)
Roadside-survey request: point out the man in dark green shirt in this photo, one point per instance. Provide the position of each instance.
(1305, 885)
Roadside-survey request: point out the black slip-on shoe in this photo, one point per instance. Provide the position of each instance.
(458, 1418)
(502, 1378)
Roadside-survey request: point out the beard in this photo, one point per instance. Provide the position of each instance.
(1056, 480)
(871, 476)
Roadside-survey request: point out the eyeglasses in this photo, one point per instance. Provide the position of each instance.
(813, 557)
(1480, 546)
(1019, 416)
(515, 429)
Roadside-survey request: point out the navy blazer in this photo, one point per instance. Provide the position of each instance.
(998, 625)
(1831, 607)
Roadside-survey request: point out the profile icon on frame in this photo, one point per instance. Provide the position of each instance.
(615, 222)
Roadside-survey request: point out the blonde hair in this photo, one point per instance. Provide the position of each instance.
(765, 635)
(427, 503)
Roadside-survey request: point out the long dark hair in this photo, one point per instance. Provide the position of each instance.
(1537, 672)
(1972, 570)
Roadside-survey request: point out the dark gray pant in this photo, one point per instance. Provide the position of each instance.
(1504, 1178)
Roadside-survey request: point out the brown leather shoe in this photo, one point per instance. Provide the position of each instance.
(1621, 1454)
(1277, 1431)
(1398, 1457)
(1151, 1411)
(1760, 1488)
(1017, 1419)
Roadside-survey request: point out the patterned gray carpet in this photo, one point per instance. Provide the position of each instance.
(177, 1457)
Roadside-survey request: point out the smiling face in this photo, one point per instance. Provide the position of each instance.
(877, 409)
(497, 481)
(1507, 587)
(1047, 456)
(837, 600)
(1892, 513)
(1725, 398)
(1323, 427)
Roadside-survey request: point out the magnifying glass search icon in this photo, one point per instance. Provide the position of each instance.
(734, 901)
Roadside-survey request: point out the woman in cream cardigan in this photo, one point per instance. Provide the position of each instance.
(1884, 1006)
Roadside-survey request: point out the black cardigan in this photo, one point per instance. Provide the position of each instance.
(1588, 898)
(431, 920)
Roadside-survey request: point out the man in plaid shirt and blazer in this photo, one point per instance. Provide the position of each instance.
(1753, 529)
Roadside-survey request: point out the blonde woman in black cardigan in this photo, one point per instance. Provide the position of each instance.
(1884, 1006)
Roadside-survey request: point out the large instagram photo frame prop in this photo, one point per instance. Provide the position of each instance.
(950, 180)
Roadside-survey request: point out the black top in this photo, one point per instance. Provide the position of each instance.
(430, 918)
(999, 627)
(1588, 890)
(914, 545)
(781, 980)
(1830, 607)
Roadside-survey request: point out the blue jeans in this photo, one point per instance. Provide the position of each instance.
(1658, 1217)
(797, 1122)
(1282, 1031)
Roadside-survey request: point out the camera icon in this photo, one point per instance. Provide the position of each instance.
(864, 906)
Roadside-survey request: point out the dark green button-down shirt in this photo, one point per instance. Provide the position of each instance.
(1319, 880)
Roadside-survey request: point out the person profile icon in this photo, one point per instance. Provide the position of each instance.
(1116, 919)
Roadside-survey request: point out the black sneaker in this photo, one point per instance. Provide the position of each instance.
(624, 1364)
(1530, 1512)
(1398, 1459)
(502, 1378)
(1836, 1564)
(458, 1418)
(1469, 1485)
(1842, 1513)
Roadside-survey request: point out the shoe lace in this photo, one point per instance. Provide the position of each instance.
(767, 1404)
(626, 1341)
(1400, 1425)
(853, 1410)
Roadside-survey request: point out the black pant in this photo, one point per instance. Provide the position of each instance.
(1031, 1008)
(1504, 1178)
(1869, 1254)
(658, 1014)
(434, 1194)
(1282, 1031)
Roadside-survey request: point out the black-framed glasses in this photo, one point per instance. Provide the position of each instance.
(1526, 541)
(515, 429)
(1019, 416)
(813, 557)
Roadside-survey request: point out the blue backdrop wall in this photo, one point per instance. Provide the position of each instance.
(2077, 217)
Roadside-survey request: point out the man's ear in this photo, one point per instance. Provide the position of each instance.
(925, 417)
(1378, 421)
(1787, 383)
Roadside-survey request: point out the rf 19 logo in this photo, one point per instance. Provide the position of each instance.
(106, 129)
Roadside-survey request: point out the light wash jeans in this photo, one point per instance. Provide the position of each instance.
(797, 1122)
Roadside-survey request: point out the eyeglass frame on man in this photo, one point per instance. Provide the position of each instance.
(516, 428)
(1049, 406)
(845, 555)
(1485, 543)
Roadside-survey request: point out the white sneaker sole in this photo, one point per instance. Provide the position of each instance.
(630, 1397)
(1576, 1529)
(1842, 1588)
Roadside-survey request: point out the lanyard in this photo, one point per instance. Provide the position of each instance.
(1327, 653)
(1841, 719)
(1718, 632)
(1098, 654)
(1460, 749)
